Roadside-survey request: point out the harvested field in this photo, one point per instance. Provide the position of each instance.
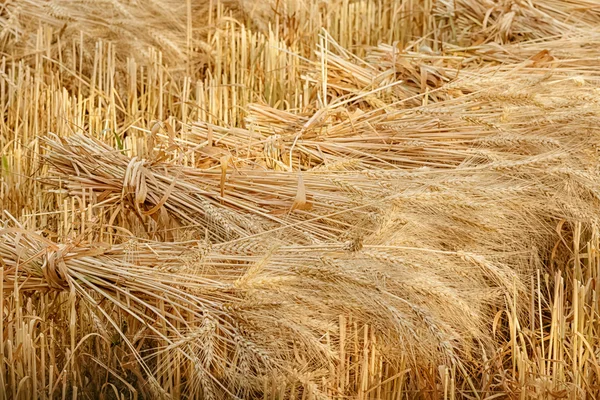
(300, 199)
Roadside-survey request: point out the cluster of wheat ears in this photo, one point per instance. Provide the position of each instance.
(299, 199)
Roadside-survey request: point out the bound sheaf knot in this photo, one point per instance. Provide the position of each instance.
(55, 269)
(134, 181)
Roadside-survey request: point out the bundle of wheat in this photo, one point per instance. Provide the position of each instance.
(230, 204)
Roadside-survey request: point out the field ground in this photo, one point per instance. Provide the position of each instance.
(296, 199)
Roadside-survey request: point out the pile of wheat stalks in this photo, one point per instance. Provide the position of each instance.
(299, 199)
